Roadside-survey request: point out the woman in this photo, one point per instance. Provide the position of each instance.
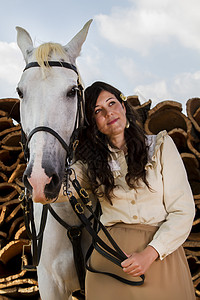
(147, 204)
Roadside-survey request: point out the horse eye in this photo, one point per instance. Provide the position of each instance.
(20, 94)
(72, 92)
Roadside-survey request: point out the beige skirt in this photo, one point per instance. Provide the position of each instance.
(169, 279)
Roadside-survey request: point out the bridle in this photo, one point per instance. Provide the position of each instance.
(74, 233)
(80, 114)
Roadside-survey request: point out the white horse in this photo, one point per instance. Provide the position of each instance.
(49, 98)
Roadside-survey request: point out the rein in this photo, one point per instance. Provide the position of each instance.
(115, 254)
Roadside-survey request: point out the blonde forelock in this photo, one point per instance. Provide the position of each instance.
(43, 53)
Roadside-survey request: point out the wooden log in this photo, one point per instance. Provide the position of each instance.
(4, 235)
(194, 147)
(20, 292)
(13, 214)
(133, 100)
(8, 131)
(194, 236)
(16, 275)
(193, 141)
(12, 141)
(143, 111)
(16, 224)
(11, 222)
(197, 116)
(193, 134)
(179, 137)
(11, 202)
(167, 104)
(2, 214)
(3, 113)
(193, 171)
(21, 233)
(166, 115)
(193, 112)
(9, 160)
(17, 174)
(5, 124)
(12, 249)
(15, 282)
(3, 177)
(11, 107)
(194, 265)
(8, 191)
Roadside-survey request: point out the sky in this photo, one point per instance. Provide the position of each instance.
(149, 48)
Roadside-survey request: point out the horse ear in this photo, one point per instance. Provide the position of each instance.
(24, 42)
(73, 48)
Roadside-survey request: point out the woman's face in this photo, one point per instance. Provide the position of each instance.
(110, 115)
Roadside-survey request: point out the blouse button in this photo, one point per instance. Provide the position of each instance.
(135, 217)
(133, 201)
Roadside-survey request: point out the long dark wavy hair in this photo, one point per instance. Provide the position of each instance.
(93, 149)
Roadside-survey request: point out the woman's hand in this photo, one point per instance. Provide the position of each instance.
(138, 263)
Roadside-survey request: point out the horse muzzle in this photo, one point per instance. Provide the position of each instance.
(43, 183)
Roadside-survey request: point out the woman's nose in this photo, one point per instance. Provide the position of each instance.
(109, 112)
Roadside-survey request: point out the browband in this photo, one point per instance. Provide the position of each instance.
(52, 64)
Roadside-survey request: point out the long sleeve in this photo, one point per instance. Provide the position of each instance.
(177, 199)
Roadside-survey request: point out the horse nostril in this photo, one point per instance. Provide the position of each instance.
(55, 181)
(53, 187)
(27, 183)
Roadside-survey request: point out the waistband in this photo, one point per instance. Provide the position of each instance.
(144, 227)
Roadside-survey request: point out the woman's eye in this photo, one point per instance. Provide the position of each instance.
(20, 94)
(72, 92)
(97, 111)
(111, 103)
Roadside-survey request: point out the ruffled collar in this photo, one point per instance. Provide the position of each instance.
(153, 142)
(114, 162)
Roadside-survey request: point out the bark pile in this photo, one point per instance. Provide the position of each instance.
(15, 283)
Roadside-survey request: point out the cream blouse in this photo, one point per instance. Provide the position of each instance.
(169, 204)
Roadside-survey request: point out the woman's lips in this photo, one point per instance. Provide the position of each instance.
(112, 122)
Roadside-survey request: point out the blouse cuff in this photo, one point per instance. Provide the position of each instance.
(159, 248)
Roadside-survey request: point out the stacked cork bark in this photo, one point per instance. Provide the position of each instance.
(167, 115)
(185, 131)
(15, 283)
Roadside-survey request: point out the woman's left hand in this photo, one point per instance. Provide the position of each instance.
(138, 263)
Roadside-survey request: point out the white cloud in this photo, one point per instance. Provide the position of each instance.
(187, 85)
(180, 88)
(132, 71)
(89, 65)
(147, 23)
(128, 68)
(156, 91)
(11, 66)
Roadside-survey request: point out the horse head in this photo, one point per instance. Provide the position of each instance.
(48, 91)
